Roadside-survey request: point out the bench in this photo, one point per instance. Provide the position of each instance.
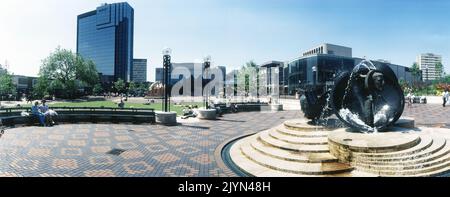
(12, 116)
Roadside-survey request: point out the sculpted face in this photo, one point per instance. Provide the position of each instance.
(378, 81)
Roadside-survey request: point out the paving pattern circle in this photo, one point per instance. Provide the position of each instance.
(110, 150)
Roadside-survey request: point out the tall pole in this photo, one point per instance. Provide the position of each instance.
(207, 65)
(426, 82)
(166, 70)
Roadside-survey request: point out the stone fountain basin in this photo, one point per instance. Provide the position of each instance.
(343, 144)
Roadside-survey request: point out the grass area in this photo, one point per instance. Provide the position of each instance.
(157, 106)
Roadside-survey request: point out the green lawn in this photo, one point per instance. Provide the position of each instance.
(157, 106)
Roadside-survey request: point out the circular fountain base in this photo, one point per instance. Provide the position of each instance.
(343, 143)
(394, 140)
(299, 148)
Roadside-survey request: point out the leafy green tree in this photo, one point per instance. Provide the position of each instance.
(40, 89)
(142, 89)
(7, 86)
(67, 72)
(120, 86)
(98, 89)
(415, 71)
(132, 88)
(248, 79)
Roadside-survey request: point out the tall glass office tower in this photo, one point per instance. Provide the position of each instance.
(105, 36)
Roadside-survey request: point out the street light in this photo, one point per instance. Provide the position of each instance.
(207, 65)
(166, 69)
(426, 81)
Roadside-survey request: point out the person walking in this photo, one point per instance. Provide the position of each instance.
(445, 97)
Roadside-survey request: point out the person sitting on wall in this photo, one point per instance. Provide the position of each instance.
(188, 113)
(49, 114)
(234, 108)
(37, 113)
(121, 105)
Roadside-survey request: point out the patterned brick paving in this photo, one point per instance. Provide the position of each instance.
(432, 115)
(150, 150)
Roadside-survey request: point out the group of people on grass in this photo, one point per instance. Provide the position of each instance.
(43, 113)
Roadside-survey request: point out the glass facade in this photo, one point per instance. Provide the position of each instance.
(139, 70)
(303, 71)
(105, 36)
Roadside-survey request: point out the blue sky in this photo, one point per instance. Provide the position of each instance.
(235, 31)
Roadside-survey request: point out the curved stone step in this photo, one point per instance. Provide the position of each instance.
(441, 172)
(292, 156)
(305, 134)
(427, 169)
(409, 165)
(425, 143)
(249, 166)
(294, 167)
(344, 143)
(298, 140)
(265, 138)
(439, 148)
(301, 125)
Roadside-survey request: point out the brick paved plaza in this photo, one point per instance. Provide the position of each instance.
(145, 150)
(150, 150)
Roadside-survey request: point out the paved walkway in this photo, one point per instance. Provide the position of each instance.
(432, 115)
(146, 150)
(150, 150)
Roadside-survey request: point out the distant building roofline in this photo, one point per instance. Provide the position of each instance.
(271, 62)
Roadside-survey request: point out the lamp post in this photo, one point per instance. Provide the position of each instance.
(166, 82)
(426, 80)
(207, 65)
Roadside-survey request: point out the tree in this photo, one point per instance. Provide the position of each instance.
(415, 71)
(119, 85)
(143, 88)
(248, 79)
(40, 89)
(7, 86)
(98, 89)
(439, 69)
(67, 72)
(132, 88)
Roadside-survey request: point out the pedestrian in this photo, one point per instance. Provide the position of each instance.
(121, 105)
(445, 97)
(409, 99)
(38, 114)
(48, 113)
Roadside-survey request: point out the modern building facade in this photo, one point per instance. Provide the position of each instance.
(24, 84)
(267, 69)
(427, 64)
(105, 36)
(194, 69)
(330, 49)
(315, 70)
(320, 66)
(159, 74)
(139, 74)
